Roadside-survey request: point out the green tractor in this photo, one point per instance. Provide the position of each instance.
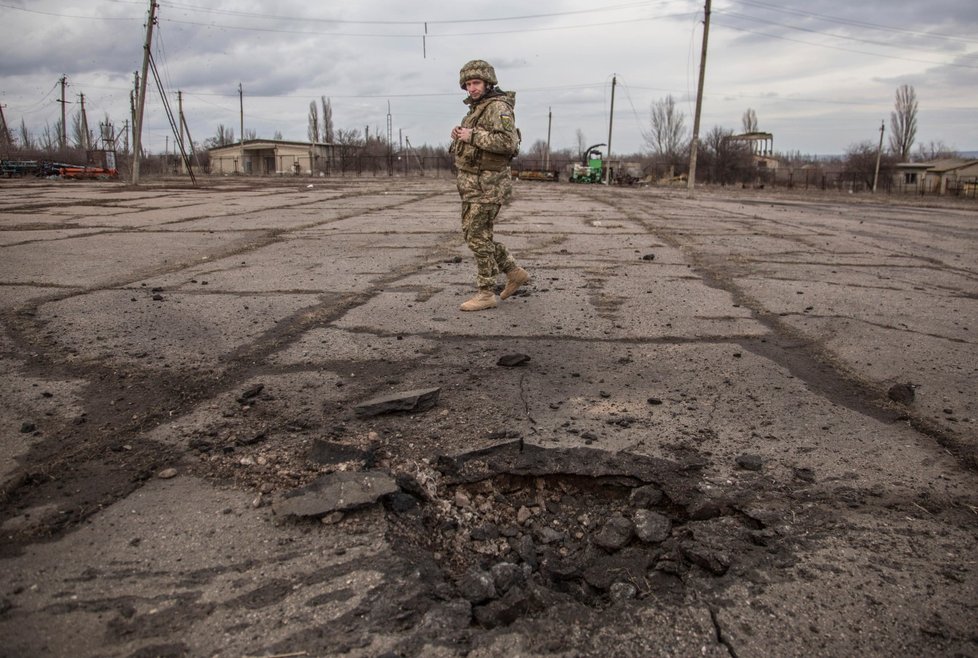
(591, 167)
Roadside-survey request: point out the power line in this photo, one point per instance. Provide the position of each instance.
(810, 30)
(850, 50)
(429, 35)
(415, 22)
(854, 23)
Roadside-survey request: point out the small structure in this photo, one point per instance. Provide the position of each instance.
(761, 144)
(946, 176)
(270, 157)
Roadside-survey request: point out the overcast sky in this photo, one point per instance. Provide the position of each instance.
(821, 76)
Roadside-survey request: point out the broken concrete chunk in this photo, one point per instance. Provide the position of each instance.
(615, 534)
(331, 452)
(750, 462)
(651, 527)
(420, 399)
(250, 393)
(512, 360)
(344, 490)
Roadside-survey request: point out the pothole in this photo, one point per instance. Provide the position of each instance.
(515, 528)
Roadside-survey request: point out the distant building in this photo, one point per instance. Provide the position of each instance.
(269, 157)
(950, 175)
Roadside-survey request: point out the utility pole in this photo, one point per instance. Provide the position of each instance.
(86, 142)
(611, 119)
(181, 123)
(5, 139)
(879, 154)
(141, 101)
(64, 132)
(241, 114)
(550, 118)
(390, 145)
(694, 144)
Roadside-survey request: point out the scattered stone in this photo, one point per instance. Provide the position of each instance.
(647, 496)
(902, 393)
(485, 532)
(615, 534)
(157, 297)
(622, 591)
(526, 549)
(547, 535)
(331, 452)
(523, 514)
(648, 257)
(409, 484)
(450, 615)
(462, 500)
(505, 575)
(402, 503)
(651, 527)
(654, 401)
(416, 400)
(706, 557)
(477, 586)
(340, 491)
(750, 462)
(27, 427)
(503, 612)
(804, 473)
(250, 393)
(703, 510)
(512, 360)
(332, 518)
(251, 440)
(631, 564)
(498, 435)
(167, 473)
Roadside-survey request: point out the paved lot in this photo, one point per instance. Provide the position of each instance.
(732, 352)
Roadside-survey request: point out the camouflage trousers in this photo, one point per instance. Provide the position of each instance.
(491, 257)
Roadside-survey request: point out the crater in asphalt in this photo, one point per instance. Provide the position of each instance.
(515, 527)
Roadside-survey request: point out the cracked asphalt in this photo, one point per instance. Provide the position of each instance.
(746, 340)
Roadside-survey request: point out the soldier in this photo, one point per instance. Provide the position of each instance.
(483, 146)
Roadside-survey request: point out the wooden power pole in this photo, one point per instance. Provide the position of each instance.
(611, 120)
(694, 144)
(137, 132)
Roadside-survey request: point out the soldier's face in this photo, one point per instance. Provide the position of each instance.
(475, 88)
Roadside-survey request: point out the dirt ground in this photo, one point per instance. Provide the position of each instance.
(248, 419)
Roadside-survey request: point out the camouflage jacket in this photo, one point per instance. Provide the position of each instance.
(495, 138)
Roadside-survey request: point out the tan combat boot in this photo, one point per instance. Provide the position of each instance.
(483, 300)
(514, 279)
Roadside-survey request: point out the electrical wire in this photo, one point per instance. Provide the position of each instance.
(853, 23)
(416, 22)
(849, 50)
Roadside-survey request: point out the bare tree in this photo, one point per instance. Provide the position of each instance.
(667, 136)
(749, 121)
(903, 122)
(859, 164)
(51, 137)
(26, 139)
(327, 120)
(723, 160)
(313, 131)
(223, 137)
(581, 144)
(936, 151)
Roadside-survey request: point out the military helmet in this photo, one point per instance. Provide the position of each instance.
(477, 69)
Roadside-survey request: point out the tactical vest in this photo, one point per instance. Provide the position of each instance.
(470, 158)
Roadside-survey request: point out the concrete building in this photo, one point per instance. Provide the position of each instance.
(947, 176)
(269, 157)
